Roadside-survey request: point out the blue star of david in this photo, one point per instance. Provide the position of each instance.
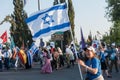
(48, 19)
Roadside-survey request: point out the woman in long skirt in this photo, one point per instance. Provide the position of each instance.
(47, 64)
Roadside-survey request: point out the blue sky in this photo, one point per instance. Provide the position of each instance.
(89, 14)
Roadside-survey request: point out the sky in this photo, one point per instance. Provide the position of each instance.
(89, 15)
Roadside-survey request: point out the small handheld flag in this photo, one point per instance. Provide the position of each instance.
(82, 39)
(4, 37)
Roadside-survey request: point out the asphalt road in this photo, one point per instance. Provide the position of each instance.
(34, 74)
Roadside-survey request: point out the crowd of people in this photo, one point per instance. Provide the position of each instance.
(50, 58)
(11, 58)
(54, 59)
(97, 63)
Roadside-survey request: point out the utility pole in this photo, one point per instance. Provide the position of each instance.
(38, 5)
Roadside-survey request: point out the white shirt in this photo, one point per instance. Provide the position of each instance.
(1, 55)
(69, 51)
(8, 54)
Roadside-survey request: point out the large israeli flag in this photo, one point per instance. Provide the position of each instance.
(49, 21)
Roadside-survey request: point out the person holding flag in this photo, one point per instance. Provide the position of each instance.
(92, 65)
(49, 21)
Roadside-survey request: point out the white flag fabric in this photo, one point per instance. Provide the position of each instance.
(33, 49)
(49, 21)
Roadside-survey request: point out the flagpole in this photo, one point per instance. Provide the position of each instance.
(39, 10)
(76, 54)
(38, 5)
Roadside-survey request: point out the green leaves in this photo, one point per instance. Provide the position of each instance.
(113, 14)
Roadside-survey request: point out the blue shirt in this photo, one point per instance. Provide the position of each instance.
(102, 56)
(94, 63)
(112, 53)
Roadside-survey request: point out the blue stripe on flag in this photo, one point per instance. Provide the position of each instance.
(29, 58)
(48, 29)
(34, 48)
(57, 7)
(49, 21)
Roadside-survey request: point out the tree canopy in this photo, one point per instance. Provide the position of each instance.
(113, 15)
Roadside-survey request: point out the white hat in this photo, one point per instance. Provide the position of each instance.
(91, 49)
(113, 44)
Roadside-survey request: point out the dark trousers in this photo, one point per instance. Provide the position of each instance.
(72, 62)
(0, 65)
(61, 61)
(114, 62)
(53, 64)
(6, 63)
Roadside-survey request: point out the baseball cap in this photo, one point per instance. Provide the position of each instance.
(91, 49)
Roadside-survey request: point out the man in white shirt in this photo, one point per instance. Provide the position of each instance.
(69, 56)
(7, 56)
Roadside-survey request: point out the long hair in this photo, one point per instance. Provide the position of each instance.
(94, 55)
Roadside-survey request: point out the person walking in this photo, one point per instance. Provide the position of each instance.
(56, 59)
(92, 65)
(7, 55)
(103, 60)
(113, 59)
(61, 57)
(46, 68)
(67, 54)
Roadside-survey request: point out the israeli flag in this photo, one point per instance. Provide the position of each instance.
(49, 21)
(30, 58)
(31, 52)
(33, 49)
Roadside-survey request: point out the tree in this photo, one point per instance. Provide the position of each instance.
(113, 14)
(113, 10)
(20, 31)
(71, 15)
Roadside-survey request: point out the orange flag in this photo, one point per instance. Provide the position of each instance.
(4, 37)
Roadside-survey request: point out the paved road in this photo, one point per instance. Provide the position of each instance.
(34, 74)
